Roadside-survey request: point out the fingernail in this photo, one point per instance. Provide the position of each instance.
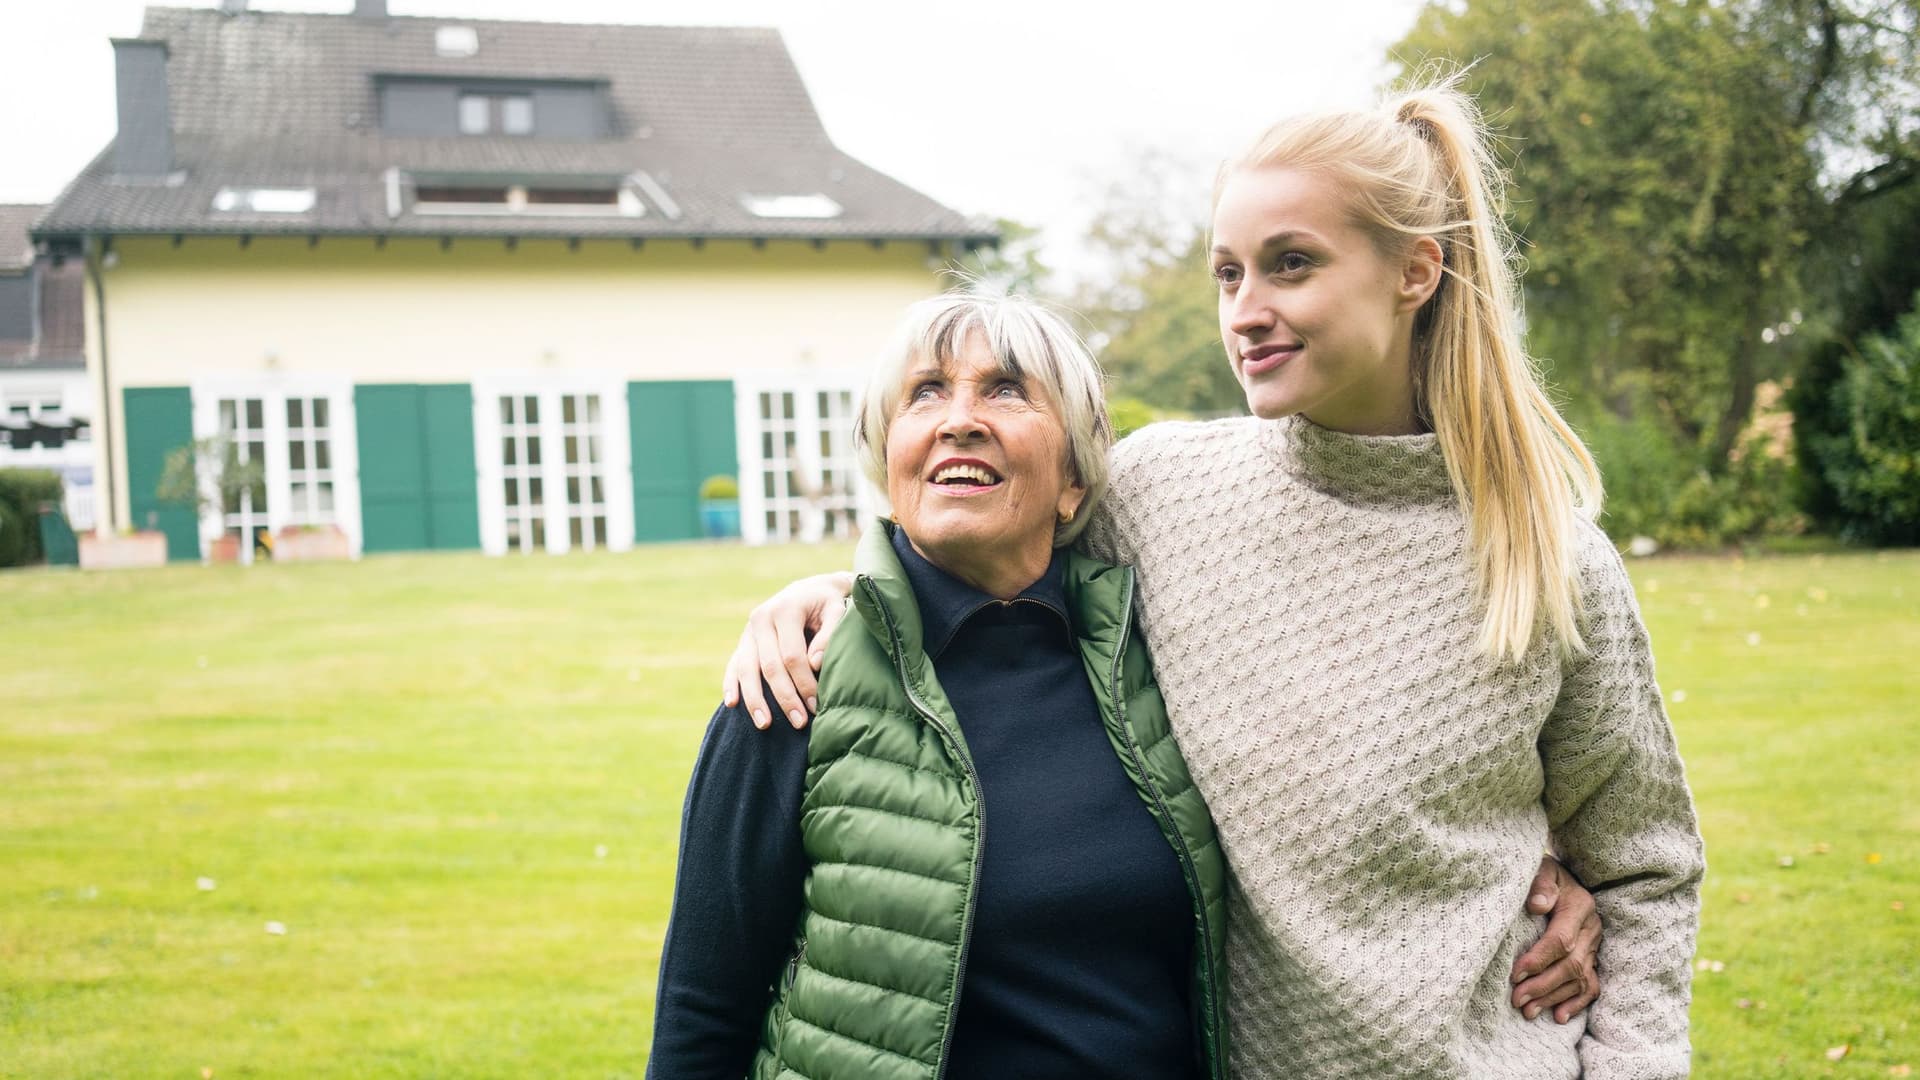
(798, 717)
(760, 719)
(1532, 1011)
(1538, 898)
(813, 705)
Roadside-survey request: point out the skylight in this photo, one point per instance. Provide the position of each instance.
(264, 200)
(790, 206)
(456, 41)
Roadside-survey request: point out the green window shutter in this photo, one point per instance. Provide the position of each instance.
(682, 433)
(452, 480)
(418, 489)
(159, 420)
(392, 468)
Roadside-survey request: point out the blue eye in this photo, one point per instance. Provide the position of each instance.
(1226, 275)
(1009, 390)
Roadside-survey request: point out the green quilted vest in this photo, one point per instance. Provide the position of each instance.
(893, 826)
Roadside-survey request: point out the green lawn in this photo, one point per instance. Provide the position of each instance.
(456, 781)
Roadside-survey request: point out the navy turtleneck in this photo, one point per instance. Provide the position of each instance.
(1081, 953)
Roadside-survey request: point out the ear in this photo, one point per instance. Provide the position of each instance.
(1420, 276)
(1071, 497)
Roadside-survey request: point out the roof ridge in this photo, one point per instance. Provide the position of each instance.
(448, 20)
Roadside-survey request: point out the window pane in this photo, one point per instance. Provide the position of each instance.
(533, 450)
(766, 446)
(535, 493)
(571, 444)
(322, 459)
(573, 530)
(297, 454)
(299, 498)
(766, 406)
(226, 416)
(539, 532)
(593, 408)
(294, 412)
(473, 114)
(506, 410)
(256, 414)
(786, 405)
(530, 409)
(593, 449)
(573, 490)
(326, 497)
(768, 477)
(516, 115)
(598, 497)
(506, 451)
(599, 532)
(568, 405)
(320, 412)
(513, 492)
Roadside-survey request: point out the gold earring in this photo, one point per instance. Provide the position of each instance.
(1066, 516)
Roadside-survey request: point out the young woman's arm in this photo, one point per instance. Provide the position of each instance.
(736, 900)
(1623, 820)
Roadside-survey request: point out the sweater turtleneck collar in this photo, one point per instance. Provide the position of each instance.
(1401, 469)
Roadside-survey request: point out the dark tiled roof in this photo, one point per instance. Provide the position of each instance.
(16, 247)
(267, 99)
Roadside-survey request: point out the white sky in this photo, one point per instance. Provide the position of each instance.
(1014, 108)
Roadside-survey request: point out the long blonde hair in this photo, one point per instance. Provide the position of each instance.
(1422, 165)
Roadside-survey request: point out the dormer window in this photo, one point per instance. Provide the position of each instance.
(588, 197)
(496, 114)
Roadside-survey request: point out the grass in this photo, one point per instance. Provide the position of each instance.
(456, 781)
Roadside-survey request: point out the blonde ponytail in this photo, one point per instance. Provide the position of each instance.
(1423, 166)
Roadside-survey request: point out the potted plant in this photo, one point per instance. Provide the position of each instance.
(102, 550)
(310, 543)
(210, 475)
(720, 506)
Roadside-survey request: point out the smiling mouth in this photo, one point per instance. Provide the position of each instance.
(965, 479)
(1265, 358)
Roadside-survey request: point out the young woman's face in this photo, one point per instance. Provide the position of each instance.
(1315, 320)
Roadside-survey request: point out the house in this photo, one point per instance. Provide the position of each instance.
(46, 408)
(460, 283)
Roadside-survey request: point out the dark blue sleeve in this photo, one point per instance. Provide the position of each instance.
(736, 899)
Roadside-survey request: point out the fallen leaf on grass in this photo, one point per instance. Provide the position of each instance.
(1835, 1053)
(1679, 696)
(1899, 1070)
(1786, 861)
(1763, 601)
(276, 928)
(1873, 858)
(1822, 848)
(1743, 898)
(204, 884)
(1743, 1003)
(1753, 637)
(1898, 906)
(206, 1072)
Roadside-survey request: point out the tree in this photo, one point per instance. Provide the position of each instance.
(1676, 163)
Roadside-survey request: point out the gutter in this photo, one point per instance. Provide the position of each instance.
(93, 249)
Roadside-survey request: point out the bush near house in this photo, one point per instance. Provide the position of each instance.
(22, 493)
(1870, 460)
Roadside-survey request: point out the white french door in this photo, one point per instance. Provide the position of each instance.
(800, 477)
(553, 457)
(300, 430)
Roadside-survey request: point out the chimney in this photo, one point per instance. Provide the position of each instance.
(144, 146)
(370, 9)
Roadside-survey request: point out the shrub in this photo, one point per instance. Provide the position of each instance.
(1657, 488)
(1870, 458)
(22, 492)
(719, 487)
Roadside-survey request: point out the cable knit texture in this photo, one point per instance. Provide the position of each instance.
(1383, 791)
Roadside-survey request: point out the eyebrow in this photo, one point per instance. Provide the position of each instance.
(1285, 236)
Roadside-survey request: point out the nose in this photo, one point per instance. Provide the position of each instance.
(1248, 313)
(961, 421)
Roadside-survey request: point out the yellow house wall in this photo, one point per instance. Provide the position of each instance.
(412, 312)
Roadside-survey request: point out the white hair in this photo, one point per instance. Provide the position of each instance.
(1030, 343)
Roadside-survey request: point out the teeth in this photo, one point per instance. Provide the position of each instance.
(973, 473)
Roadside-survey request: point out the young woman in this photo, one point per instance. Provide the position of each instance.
(1398, 656)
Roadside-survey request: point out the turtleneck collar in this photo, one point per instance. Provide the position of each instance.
(1393, 469)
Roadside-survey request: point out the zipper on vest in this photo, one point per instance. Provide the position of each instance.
(979, 824)
(1216, 1067)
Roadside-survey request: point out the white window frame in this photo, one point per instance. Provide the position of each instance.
(273, 392)
(616, 448)
(808, 425)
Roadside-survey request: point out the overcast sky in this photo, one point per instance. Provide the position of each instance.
(1013, 108)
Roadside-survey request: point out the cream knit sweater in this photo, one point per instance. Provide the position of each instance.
(1382, 791)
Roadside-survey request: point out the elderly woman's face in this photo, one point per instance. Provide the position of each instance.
(977, 461)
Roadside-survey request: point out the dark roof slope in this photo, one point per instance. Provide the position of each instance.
(710, 115)
(60, 295)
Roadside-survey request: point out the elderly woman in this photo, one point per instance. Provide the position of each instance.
(839, 912)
